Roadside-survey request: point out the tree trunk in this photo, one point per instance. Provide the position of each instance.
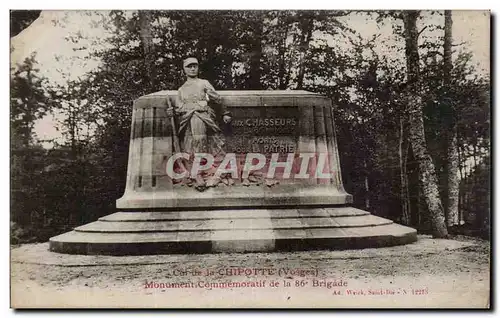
(147, 46)
(403, 157)
(474, 153)
(29, 115)
(460, 185)
(281, 53)
(367, 186)
(288, 73)
(453, 179)
(306, 28)
(452, 187)
(209, 72)
(427, 173)
(256, 54)
(448, 24)
(72, 130)
(228, 78)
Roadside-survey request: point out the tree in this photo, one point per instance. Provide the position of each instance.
(28, 101)
(427, 174)
(148, 48)
(452, 146)
(257, 28)
(284, 21)
(306, 25)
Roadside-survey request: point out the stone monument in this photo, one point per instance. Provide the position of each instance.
(250, 210)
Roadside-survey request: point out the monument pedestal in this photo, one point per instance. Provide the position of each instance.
(236, 196)
(235, 230)
(158, 216)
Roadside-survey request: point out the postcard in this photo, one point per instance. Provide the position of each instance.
(250, 159)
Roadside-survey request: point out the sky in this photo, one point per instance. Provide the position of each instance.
(61, 60)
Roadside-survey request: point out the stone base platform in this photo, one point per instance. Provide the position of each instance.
(239, 230)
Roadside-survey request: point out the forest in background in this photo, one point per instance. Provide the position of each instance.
(414, 138)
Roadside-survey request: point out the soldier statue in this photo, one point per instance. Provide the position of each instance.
(198, 129)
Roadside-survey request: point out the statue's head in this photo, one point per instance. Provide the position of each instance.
(190, 66)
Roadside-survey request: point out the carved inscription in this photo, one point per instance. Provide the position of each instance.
(263, 130)
(271, 144)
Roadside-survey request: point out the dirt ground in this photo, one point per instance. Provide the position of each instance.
(451, 273)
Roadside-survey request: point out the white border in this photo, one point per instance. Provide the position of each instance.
(255, 4)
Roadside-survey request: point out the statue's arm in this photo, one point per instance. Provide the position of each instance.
(179, 104)
(213, 96)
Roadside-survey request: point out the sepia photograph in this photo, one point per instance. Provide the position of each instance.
(250, 159)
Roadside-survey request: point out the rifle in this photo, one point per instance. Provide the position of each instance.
(175, 137)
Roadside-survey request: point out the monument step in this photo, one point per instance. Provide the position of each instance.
(232, 214)
(265, 222)
(253, 240)
(236, 197)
